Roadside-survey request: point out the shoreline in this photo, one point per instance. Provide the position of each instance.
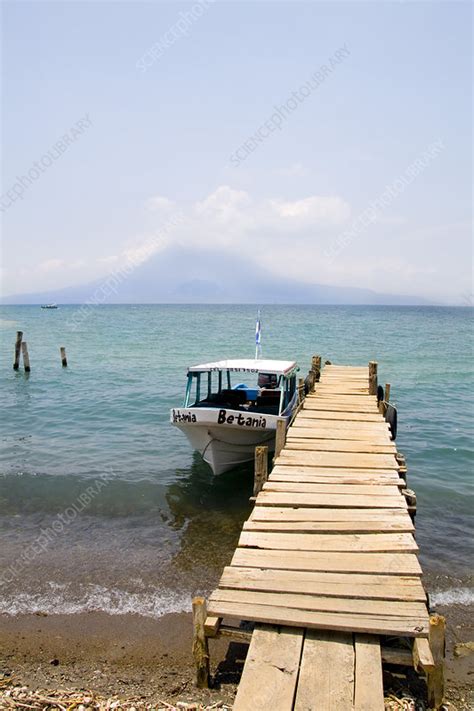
(133, 656)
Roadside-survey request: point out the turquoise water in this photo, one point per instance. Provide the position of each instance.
(104, 506)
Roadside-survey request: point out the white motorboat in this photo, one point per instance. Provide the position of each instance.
(223, 421)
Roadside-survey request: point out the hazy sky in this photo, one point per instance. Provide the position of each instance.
(222, 115)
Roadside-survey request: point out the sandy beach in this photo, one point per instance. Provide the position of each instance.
(131, 656)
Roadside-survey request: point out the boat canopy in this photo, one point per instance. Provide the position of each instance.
(246, 365)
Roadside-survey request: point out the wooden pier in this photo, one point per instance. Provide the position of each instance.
(326, 565)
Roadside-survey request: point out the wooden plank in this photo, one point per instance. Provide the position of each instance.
(346, 416)
(343, 374)
(404, 524)
(293, 498)
(296, 470)
(336, 368)
(354, 479)
(422, 656)
(374, 624)
(344, 393)
(344, 605)
(353, 460)
(340, 425)
(315, 432)
(360, 542)
(271, 669)
(331, 488)
(324, 584)
(368, 692)
(355, 381)
(326, 515)
(340, 386)
(343, 389)
(339, 445)
(326, 678)
(355, 476)
(381, 563)
(322, 405)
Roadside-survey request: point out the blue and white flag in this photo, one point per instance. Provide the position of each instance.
(258, 336)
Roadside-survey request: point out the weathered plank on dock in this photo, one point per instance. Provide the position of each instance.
(352, 460)
(337, 445)
(333, 523)
(346, 407)
(335, 475)
(342, 415)
(307, 431)
(304, 499)
(375, 624)
(312, 487)
(326, 678)
(316, 423)
(326, 515)
(369, 586)
(360, 542)
(303, 601)
(388, 563)
(271, 669)
(368, 693)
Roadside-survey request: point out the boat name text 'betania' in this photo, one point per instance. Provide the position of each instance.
(184, 417)
(241, 420)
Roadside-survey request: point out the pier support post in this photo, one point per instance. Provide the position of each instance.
(26, 357)
(300, 390)
(261, 469)
(200, 643)
(435, 678)
(280, 437)
(387, 392)
(63, 356)
(16, 362)
(373, 377)
(316, 367)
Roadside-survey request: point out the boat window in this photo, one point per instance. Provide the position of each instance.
(214, 382)
(193, 390)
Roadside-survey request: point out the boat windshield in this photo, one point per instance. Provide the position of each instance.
(269, 393)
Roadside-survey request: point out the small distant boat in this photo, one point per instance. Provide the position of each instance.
(50, 306)
(225, 422)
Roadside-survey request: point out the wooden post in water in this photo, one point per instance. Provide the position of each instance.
(200, 643)
(261, 469)
(410, 498)
(435, 678)
(63, 357)
(16, 362)
(373, 377)
(387, 392)
(300, 390)
(316, 366)
(280, 437)
(26, 357)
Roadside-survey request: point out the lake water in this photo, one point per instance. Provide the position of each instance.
(103, 506)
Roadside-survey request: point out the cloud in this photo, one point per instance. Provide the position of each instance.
(224, 204)
(313, 211)
(231, 219)
(235, 208)
(50, 265)
(159, 203)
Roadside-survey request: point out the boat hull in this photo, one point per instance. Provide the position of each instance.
(226, 438)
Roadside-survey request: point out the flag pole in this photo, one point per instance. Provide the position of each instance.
(258, 336)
